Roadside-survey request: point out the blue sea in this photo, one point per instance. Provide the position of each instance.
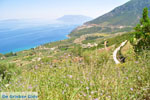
(16, 37)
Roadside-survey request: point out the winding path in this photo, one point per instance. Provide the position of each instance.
(116, 51)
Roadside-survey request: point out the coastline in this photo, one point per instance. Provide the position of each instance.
(34, 46)
(68, 36)
(17, 45)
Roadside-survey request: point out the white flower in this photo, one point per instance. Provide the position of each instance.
(92, 92)
(39, 59)
(87, 88)
(6, 85)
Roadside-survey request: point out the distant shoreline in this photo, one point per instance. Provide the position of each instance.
(68, 36)
(30, 47)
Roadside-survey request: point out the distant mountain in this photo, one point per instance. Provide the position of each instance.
(74, 19)
(120, 19)
(22, 23)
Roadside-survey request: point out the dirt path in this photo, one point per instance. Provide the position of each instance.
(116, 51)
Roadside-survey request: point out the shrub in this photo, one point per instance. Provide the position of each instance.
(77, 50)
(32, 53)
(1, 55)
(141, 38)
(10, 54)
(7, 71)
(46, 60)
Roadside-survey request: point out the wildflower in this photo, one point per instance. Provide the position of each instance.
(87, 79)
(109, 96)
(69, 55)
(29, 87)
(70, 76)
(81, 82)
(36, 67)
(96, 99)
(131, 89)
(67, 85)
(42, 63)
(63, 92)
(87, 88)
(84, 94)
(39, 59)
(35, 85)
(139, 77)
(50, 66)
(91, 84)
(6, 85)
(92, 92)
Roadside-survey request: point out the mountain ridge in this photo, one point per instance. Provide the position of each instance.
(132, 7)
(122, 18)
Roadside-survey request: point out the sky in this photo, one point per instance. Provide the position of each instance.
(52, 9)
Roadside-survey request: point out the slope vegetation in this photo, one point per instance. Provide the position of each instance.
(66, 71)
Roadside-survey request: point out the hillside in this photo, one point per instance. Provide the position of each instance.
(83, 68)
(125, 15)
(120, 19)
(66, 71)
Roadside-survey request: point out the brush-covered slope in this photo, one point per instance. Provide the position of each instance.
(66, 71)
(127, 14)
(121, 19)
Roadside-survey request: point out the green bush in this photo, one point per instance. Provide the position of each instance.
(46, 60)
(141, 38)
(28, 58)
(32, 53)
(1, 55)
(77, 50)
(7, 71)
(63, 48)
(10, 54)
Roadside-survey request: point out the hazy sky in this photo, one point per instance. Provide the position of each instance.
(51, 9)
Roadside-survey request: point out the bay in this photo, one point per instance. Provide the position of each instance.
(14, 39)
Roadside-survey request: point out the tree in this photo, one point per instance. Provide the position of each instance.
(141, 39)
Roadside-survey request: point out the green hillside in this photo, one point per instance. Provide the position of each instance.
(125, 15)
(70, 72)
(121, 19)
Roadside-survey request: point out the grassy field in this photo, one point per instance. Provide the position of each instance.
(69, 72)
